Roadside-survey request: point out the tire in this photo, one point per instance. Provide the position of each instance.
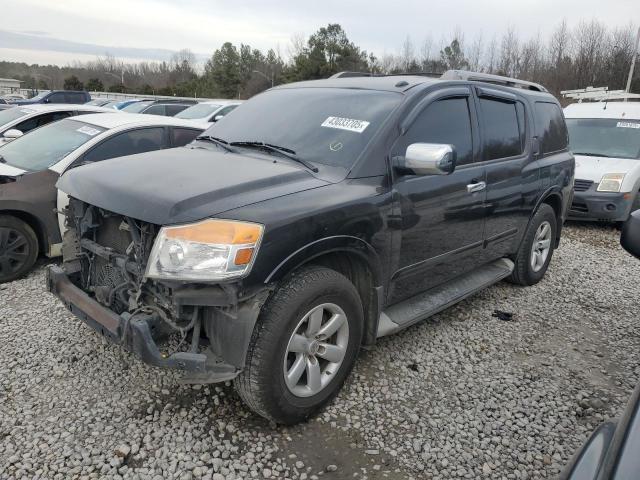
(262, 385)
(524, 272)
(18, 248)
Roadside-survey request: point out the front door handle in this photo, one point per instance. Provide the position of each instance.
(476, 187)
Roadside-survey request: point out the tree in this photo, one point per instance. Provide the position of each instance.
(223, 68)
(453, 57)
(95, 85)
(73, 83)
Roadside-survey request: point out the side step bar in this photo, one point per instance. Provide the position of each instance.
(401, 315)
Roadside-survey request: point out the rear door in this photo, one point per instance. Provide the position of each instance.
(513, 181)
(442, 218)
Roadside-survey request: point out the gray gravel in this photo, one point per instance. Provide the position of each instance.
(463, 395)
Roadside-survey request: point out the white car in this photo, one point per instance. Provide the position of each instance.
(605, 140)
(18, 120)
(210, 111)
(30, 167)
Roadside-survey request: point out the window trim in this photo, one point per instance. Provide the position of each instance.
(504, 97)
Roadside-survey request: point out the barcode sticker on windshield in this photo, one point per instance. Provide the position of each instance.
(627, 125)
(88, 131)
(349, 124)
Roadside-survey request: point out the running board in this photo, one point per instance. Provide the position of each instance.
(401, 315)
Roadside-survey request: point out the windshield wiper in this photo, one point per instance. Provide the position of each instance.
(285, 152)
(2, 160)
(590, 154)
(218, 141)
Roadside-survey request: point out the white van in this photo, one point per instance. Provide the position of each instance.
(605, 140)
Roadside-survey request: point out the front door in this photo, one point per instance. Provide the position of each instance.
(442, 216)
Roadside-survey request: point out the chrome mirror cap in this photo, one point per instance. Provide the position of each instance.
(430, 158)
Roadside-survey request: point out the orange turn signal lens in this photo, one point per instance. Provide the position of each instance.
(226, 232)
(243, 256)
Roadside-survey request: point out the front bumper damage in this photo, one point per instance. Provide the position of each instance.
(134, 333)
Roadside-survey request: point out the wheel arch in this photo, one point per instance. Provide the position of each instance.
(354, 258)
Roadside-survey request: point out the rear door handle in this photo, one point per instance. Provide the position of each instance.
(476, 187)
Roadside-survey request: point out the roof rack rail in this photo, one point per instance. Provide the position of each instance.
(351, 74)
(599, 94)
(400, 74)
(489, 78)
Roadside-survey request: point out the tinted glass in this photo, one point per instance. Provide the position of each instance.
(48, 145)
(499, 121)
(552, 130)
(11, 114)
(182, 136)
(445, 121)
(202, 110)
(136, 107)
(604, 137)
(128, 143)
(155, 110)
(325, 125)
(56, 98)
(40, 120)
(171, 110)
(224, 111)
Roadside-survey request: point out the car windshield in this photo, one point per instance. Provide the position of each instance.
(39, 96)
(604, 137)
(47, 145)
(201, 110)
(97, 102)
(11, 114)
(330, 126)
(136, 107)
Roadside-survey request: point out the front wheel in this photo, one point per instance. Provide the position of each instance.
(303, 347)
(536, 249)
(18, 248)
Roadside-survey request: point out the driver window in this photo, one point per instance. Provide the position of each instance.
(444, 121)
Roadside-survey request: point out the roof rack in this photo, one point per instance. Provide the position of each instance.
(367, 74)
(495, 79)
(599, 94)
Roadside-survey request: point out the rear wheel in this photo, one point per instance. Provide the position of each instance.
(303, 347)
(18, 248)
(536, 249)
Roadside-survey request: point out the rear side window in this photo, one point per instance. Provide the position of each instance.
(155, 110)
(444, 121)
(172, 110)
(501, 130)
(552, 131)
(74, 97)
(128, 143)
(56, 98)
(182, 136)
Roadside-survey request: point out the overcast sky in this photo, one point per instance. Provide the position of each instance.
(46, 31)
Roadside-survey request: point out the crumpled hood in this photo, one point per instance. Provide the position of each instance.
(9, 171)
(184, 184)
(593, 168)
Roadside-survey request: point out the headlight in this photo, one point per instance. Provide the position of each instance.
(611, 182)
(207, 250)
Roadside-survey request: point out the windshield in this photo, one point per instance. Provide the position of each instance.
(39, 96)
(202, 110)
(47, 145)
(331, 126)
(604, 137)
(11, 114)
(136, 107)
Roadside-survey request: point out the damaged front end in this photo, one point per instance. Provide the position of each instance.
(103, 282)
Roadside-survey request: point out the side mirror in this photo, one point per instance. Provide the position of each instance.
(427, 159)
(12, 134)
(218, 118)
(630, 238)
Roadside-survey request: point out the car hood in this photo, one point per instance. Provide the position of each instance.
(9, 171)
(184, 184)
(593, 168)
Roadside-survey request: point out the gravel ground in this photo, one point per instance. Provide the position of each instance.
(462, 395)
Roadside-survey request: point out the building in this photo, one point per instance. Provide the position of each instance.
(9, 85)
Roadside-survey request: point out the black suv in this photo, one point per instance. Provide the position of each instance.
(317, 218)
(56, 96)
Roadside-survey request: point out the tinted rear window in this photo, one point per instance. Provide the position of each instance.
(552, 130)
(501, 130)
